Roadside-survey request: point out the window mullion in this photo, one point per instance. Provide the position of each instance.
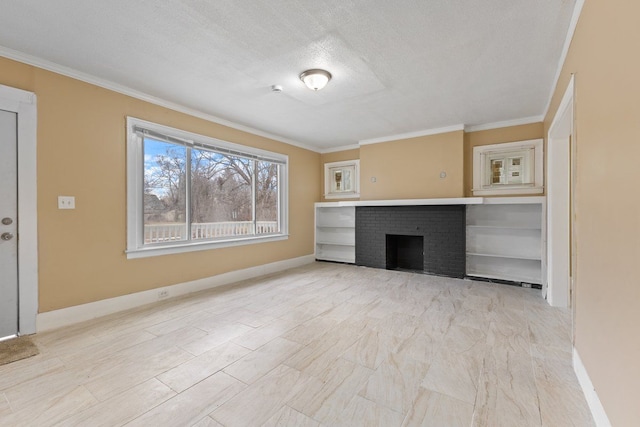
(140, 199)
(280, 212)
(253, 196)
(187, 195)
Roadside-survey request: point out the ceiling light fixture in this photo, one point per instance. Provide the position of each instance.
(316, 78)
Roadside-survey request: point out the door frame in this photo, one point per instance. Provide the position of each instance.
(560, 210)
(23, 103)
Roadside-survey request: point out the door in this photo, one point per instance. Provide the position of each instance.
(8, 224)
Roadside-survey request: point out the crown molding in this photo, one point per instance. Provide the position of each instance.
(577, 10)
(340, 148)
(125, 90)
(504, 124)
(408, 135)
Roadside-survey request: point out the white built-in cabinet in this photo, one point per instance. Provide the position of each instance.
(335, 232)
(504, 235)
(505, 239)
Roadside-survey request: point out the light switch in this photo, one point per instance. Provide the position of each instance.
(66, 202)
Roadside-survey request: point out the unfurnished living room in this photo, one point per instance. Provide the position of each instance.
(303, 213)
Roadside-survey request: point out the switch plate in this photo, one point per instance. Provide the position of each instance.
(66, 202)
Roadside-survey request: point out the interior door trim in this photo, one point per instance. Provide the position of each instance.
(24, 103)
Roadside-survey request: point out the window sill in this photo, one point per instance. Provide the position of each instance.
(200, 246)
(511, 190)
(342, 196)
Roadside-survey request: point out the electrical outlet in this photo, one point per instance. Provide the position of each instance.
(163, 295)
(66, 202)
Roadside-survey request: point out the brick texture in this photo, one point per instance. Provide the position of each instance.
(442, 228)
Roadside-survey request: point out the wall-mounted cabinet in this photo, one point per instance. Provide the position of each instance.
(505, 239)
(335, 232)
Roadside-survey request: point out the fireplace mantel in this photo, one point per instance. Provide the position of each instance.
(407, 202)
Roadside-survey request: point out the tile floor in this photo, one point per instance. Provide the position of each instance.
(322, 345)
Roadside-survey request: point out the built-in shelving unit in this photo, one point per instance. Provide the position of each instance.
(335, 232)
(505, 239)
(504, 235)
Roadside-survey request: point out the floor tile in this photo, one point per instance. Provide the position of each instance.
(324, 344)
(364, 413)
(431, 409)
(287, 417)
(325, 397)
(395, 383)
(197, 369)
(192, 405)
(257, 363)
(124, 407)
(261, 400)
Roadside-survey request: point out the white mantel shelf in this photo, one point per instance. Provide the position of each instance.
(441, 201)
(405, 202)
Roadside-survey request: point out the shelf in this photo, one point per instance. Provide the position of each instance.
(518, 243)
(514, 269)
(507, 216)
(337, 259)
(531, 279)
(403, 202)
(336, 244)
(504, 256)
(335, 234)
(339, 253)
(507, 227)
(504, 241)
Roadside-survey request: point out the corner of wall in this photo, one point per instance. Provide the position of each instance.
(597, 410)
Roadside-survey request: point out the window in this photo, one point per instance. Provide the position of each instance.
(510, 168)
(190, 192)
(342, 179)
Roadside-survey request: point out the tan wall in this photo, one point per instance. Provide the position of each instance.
(82, 153)
(494, 136)
(337, 156)
(604, 60)
(410, 168)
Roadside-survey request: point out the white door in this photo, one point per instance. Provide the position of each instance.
(8, 225)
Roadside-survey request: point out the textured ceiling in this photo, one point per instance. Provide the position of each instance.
(398, 66)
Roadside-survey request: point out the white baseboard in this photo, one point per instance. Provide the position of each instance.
(597, 410)
(79, 313)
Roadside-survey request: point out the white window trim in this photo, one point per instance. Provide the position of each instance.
(328, 180)
(479, 169)
(135, 196)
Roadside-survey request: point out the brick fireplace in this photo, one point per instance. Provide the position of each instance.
(429, 238)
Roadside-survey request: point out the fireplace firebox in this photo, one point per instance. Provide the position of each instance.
(405, 252)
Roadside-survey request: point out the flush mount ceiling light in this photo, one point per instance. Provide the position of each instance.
(316, 78)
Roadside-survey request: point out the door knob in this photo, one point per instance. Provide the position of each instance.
(7, 221)
(6, 236)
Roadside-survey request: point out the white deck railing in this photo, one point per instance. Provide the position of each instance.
(157, 233)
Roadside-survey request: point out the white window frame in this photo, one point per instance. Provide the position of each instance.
(533, 156)
(330, 182)
(135, 194)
